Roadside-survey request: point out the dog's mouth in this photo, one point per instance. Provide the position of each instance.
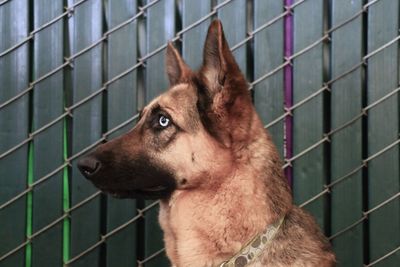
(151, 192)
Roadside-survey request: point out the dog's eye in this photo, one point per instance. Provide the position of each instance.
(163, 121)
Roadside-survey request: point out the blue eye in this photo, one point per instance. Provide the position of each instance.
(163, 121)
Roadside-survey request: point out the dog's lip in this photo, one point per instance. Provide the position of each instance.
(129, 193)
(154, 188)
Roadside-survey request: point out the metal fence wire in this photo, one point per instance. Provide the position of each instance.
(325, 80)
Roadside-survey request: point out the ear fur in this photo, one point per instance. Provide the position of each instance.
(218, 61)
(177, 70)
(228, 106)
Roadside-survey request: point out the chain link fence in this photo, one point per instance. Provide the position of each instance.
(331, 102)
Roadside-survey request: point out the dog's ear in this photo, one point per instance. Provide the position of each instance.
(224, 100)
(219, 65)
(177, 70)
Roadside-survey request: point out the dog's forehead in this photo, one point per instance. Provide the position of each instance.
(178, 97)
(183, 93)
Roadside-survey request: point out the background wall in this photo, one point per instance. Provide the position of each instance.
(325, 79)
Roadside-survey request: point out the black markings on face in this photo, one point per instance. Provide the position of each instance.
(127, 176)
(193, 158)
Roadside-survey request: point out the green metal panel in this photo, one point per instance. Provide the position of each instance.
(193, 40)
(383, 129)
(308, 170)
(234, 20)
(158, 32)
(84, 27)
(268, 55)
(346, 145)
(14, 126)
(47, 145)
(121, 247)
(86, 126)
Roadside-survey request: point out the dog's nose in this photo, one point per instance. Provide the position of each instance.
(89, 166)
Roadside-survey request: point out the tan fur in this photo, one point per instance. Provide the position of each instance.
(228, 183)
(204, 227)
(242, 190)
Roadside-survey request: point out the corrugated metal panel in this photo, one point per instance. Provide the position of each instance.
(122, 105)
(383, 171)
(86, 126)
(346, 103)
(309, 171)
(47, 145)
(14, 127)
(193, 40)
(268, 55)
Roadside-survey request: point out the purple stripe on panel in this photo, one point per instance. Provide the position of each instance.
(288, 88)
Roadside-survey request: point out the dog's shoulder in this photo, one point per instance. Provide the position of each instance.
(299, 243)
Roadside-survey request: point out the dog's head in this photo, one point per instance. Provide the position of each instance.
(187, 137)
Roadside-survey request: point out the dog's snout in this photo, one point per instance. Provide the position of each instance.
(89, 166)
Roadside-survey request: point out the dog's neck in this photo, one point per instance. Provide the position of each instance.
(219, 221)
(260, 158)
(255, 247)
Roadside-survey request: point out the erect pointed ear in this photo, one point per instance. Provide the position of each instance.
(224, 100)
(177, 70)
(218, 61)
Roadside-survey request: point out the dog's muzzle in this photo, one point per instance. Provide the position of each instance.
(124, 177)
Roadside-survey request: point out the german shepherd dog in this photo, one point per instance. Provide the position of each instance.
(202, 150)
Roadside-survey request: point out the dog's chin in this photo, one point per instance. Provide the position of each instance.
(147, 193)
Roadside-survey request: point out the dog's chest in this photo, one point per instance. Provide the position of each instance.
(195, 232)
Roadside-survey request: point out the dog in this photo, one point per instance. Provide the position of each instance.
(201, 149)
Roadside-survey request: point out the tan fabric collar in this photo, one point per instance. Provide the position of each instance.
(254, 247)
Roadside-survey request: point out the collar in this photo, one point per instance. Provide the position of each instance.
(254, 247)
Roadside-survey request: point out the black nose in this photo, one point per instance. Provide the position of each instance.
(89, 166)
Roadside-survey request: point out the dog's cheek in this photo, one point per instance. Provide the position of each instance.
(189, 175)
(182, 176)
(178, 157)
(182, 183)
(159, 141)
